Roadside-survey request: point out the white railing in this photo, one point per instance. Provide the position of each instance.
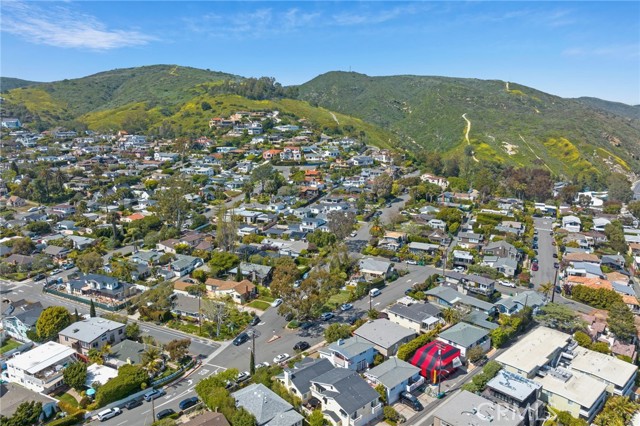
(415, 385)
(376, 409)
(356, 421)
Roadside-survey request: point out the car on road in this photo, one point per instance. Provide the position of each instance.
(55, 271)
(556, 265)
(243, 376)
(229, 384)
(109, 413)
(411, 262)
(39, 277)
(353, 234)
(288, 316)
(534, 267)
(346, 306)
(557, 289)
(555, 255)
(165, 413)
(352, 319)
(255, 320)
(395, 259)
(374, 292)
(459, 269)
(240, 339)
(301, 346)
(326, 316)
(553, 243)
(189, 402)
(154, 394)
(276, 303)
(136, 402)
(507, 283)
(68, 266)
(535, 260)
(410, 400)
(280, 358)
(264, 364)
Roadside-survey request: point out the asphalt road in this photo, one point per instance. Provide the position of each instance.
(546, 272)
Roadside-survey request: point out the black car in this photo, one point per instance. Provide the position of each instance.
(555, 255)
(165, 413)
(288, 316)
(189, 402)
(255, 320)
(136, 402)
(301, 346)
(240, 339)
(411, 401)
(39, 277)
(306, 325)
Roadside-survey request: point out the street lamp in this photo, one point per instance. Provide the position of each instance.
(438, 371)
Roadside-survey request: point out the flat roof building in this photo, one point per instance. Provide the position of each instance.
(40, 369)
(618, 375)
(466, 408)
(535, 350)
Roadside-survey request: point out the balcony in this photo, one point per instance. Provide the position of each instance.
(377, 409)
(413, 386)
(357, 421)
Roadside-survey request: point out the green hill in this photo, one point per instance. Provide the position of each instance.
(8, 83)
(509, 123)
(615, 108)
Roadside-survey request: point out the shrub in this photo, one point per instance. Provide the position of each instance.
(68, 420)
(391, 414)
(407, 350)
(129, 380)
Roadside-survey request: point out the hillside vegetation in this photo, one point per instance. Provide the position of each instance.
(510, 123)
(8, 83)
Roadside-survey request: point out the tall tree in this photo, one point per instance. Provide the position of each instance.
(51, 321)
(92, 309)
(226, 230)
(382, 185)
(172, 206)
(89, 262)
(75, 375)
(619, 188)
(178, 348)
(341, 223)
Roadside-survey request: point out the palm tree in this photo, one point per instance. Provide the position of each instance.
(151, 360)
(546, 289)
(451, 315)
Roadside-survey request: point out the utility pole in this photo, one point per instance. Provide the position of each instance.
(555, 280)
(438, 371)
(153, 409)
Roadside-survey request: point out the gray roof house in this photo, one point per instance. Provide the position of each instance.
(92, 333)
(254, 272)
(373, 268)
(347, 399)
(506, 266)
(267, 407)
(386, 336)
(126, 352)
(396, 376)
(448, 297)
(19, 317)
(297, 380)
(466, 336)
(354, 353)
(466, 408)
(419, 317)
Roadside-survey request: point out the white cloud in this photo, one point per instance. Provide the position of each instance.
(62, 27)
(622, 51)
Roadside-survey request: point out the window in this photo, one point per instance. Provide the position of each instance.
(120, 331)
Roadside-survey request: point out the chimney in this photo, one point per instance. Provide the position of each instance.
(340, 342)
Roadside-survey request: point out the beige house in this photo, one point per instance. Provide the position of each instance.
(239, 292)
(92, 333)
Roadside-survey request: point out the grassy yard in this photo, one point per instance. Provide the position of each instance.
(69, 399)
(338, 299)
(260, 304)
(8, 345)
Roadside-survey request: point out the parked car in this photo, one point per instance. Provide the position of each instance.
(240, 339)
(375, 292)
(411, 262)
(255, 320)
(534, 267)
(154, 394)
(136, 402)
(507, 283)
(459, 269)
(68, 266)
(288, 316)
(346, 306)
(55, 271)
(165, 413)
(411, 401)
(353, 234)
(306, 325)
(395, 259)
(556, 265)
(326, 316)
(264, 364)
(109, 413)
(276, 303)
(39, 277)
(243, 376)
(189, 402)
(280, 358)
(301, 346)
(352, 319)
(555, 255)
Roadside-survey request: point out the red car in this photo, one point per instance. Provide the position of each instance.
(534, 267)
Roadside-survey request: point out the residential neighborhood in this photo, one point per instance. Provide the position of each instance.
(272, 274)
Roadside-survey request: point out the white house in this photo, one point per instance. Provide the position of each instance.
(571, 223)
(41, 368)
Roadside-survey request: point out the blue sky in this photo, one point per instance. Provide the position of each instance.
(569, 49)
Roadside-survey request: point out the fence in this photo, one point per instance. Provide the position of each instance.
(112, 308)
(19, 349)
(172, 376)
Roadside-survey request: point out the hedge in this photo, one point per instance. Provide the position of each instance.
(69, 420)
(407, 350)
(129, 380)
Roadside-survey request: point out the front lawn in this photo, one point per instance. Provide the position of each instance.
(259, 304)
(69, 399)
(8, 345)
(338, 299)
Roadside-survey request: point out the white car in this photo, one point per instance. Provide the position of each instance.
(507, 283)
(459, 269)
(263, 364)
(354, 233)
(280, 358)
(411, 262)
(243, 376)
(276, 303)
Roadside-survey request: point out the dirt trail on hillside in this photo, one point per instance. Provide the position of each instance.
(334, 118)
(466, 134)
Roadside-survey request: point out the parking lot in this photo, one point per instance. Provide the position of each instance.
(12, 395)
